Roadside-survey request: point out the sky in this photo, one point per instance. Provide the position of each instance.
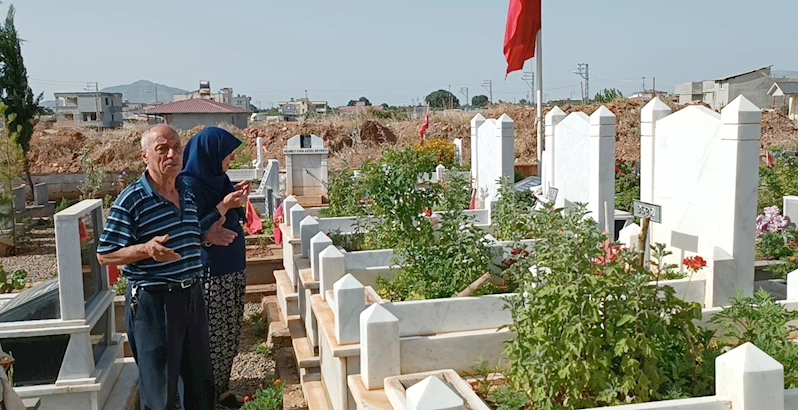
(393, 52)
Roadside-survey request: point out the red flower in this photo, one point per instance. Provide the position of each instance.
(694, 263)
(516, 251)
(427, 212)
(611, 252)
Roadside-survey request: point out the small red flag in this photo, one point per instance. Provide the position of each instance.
(84, 233)
(425, 125)
(254, 225)
(520, 36)
(771, 163)
(278, 219)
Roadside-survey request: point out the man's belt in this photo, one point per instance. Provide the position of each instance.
(170, 286)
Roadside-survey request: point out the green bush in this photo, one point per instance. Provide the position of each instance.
(779, 181)
(267, 398)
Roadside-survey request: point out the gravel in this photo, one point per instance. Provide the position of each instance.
(37, 254)
(250, 367)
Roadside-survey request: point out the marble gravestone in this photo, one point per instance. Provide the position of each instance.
(306, 166)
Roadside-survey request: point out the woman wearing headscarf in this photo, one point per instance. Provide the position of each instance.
(206, 159)
(9, 399)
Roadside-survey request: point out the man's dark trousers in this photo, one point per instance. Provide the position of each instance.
(168, 335)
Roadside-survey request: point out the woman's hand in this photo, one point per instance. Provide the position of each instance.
(235, 199)
(245, 186)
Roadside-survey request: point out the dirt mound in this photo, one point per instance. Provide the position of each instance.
(353, 139)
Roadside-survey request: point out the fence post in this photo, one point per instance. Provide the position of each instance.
(318, 243)
(601, 185)
(348, 303)
(750, 378)
(432, 394)
(307, 229)
(379, 346)
(332, 267)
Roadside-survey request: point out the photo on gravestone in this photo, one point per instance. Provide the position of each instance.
(304, 141)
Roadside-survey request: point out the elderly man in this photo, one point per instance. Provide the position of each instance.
(153, 230)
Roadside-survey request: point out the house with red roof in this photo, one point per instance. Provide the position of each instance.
(187, 114)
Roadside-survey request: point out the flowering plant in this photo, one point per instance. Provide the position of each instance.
(771, 221)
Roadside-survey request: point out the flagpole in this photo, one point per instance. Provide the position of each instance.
(539, 87)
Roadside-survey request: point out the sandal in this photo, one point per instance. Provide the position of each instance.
(230, 400)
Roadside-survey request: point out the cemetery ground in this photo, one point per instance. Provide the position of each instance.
(524, 305)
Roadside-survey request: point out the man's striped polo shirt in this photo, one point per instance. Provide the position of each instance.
(140, 214)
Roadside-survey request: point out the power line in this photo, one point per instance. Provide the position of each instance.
(584, 71)
(464, 91)
(488, 84)
(529, 77)
(93, 86)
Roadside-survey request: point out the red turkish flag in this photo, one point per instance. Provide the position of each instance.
(424, 126)
(771, 163)
(254, 225)
(520, 36)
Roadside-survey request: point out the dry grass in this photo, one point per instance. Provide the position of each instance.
(353, 138)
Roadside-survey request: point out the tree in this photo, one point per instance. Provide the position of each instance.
(442, 99)
(352, 103)
(607, 95)
(14, 89)
(480, 101)
(11, 164)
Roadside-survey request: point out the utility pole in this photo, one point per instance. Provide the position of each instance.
(488, 84)
(584, 72)
(644, 85)
(464, 91)
(451, 102)
(94, 87)
(529, 78)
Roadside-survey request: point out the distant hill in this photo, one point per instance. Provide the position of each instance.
(785, 73)
(143, 91)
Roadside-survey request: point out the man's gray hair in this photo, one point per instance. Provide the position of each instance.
(145, 137)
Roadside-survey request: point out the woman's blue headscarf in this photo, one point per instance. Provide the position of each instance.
(202, 160)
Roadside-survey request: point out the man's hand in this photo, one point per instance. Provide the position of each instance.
(219, 235)
(158, 252)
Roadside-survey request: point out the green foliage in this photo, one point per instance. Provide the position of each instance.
(618, 340)
(607, 96)
(12, 161)
(352, 103)
(512, 216)
(440, 260)
(661, 270)
(120, 287)
(480, 101)
(94, 178)
(344, 194)
(439, 151)
(258, 326)
(508, 398)
(764, 322)
(14, 89)
(779, 181)
(455, 194)
(108, 201)
(352, 242)
(262, 349)
(442, 99)
(627, 185)
(267, 398)
(64, 204)
(16, 281)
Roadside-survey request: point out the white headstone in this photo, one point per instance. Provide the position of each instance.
(630, 236)
(306, 166)
(458, 151)
(705, 163)
(790, 204)
(297, 215)
(602, 168)
(332, 267)
(259, 160)
(318, 244)
(440, 171)
(379, 346)
(553, 117)
(571, 159)
(792, 286)
(289, 203)
(476, 122)
(654, 111)
(308, 228)
(349, 303)
(432, 394)
(750, 378)
(496, 155)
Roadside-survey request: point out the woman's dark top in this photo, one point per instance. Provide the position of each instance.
(202, 172)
